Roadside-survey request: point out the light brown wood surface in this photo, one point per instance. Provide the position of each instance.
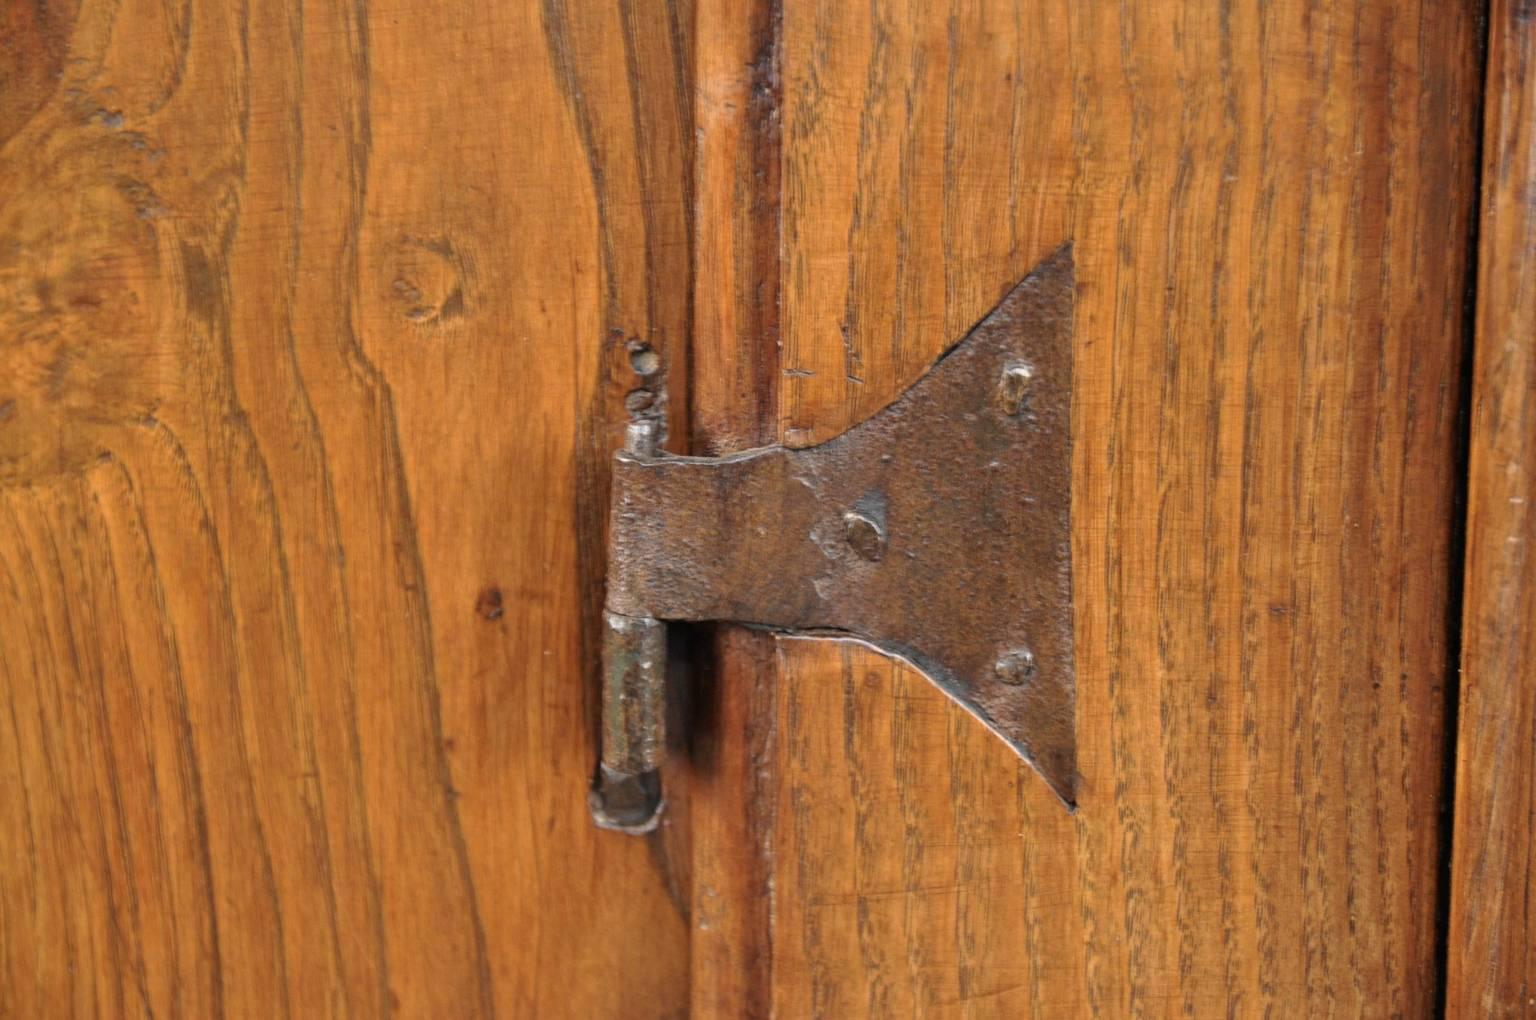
(1269, 206)
(312, 349)
(313, 345)
(1491, 953)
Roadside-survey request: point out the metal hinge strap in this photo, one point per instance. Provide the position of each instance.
(938, 530)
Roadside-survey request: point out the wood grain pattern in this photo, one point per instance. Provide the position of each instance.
(312, 327)
(1491, 950)
(1267, 204)
(312, 350)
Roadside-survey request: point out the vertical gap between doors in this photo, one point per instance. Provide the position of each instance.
(1457, 549)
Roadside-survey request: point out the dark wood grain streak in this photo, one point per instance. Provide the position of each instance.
(312, 322)
(1266, 204)
(34, 40)
(1491, 950)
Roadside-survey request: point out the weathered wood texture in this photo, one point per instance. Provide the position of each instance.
(312, 327)
(1269, 204)
(1492, 942)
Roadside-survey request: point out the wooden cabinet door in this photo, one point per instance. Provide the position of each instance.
(313, 319)
(1270, 208)
(316, 324)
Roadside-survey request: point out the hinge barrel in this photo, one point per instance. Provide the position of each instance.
(634, 693)
(626, 795)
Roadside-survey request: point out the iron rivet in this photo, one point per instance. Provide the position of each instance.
(1013, 387)
(1016, 668)
(863, 536)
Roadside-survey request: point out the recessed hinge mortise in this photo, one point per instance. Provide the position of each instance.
(938, 531)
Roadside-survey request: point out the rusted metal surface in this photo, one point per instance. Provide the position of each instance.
(634, 693)
(938, 531)
(627, 802)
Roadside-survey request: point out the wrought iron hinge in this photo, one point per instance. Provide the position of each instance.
(938, 531)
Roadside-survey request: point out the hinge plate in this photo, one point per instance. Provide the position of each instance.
(938, 530)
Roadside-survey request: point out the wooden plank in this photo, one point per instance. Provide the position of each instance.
(1266, 203)
(312, 326)
(1492, 943)
(734, 360)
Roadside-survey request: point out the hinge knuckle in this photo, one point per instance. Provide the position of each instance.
(634, 693)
